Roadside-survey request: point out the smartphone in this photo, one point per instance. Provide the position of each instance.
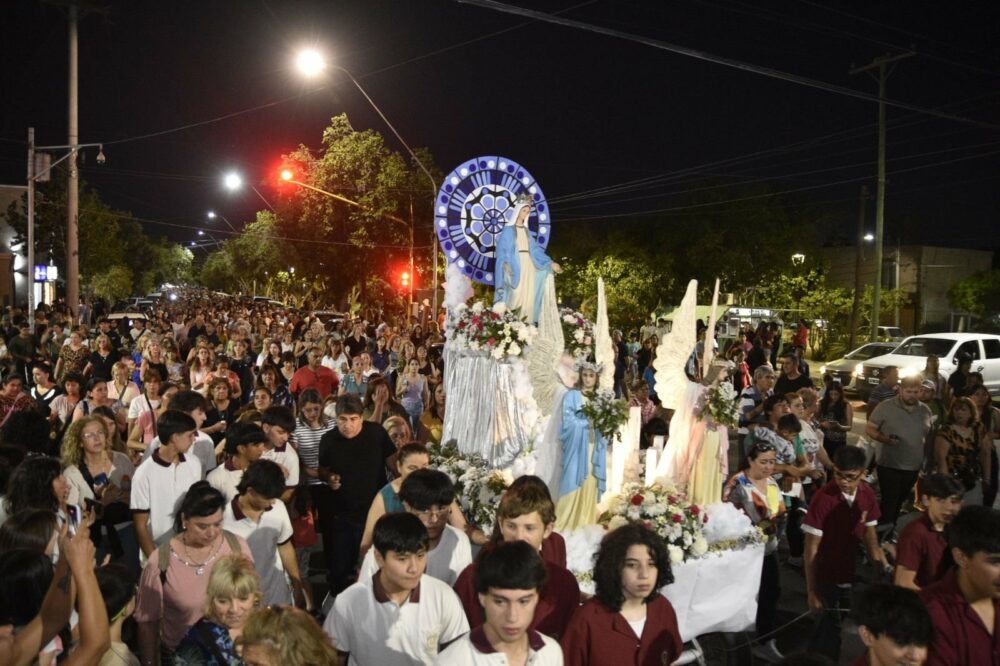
(101, 479)
(73, 515)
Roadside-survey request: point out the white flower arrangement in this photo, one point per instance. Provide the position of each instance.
(477, 488)
(664, 509)
(496, 330)
(578, 333)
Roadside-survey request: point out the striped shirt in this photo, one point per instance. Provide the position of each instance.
(305, 439)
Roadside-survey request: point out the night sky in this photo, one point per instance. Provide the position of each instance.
(580, 110)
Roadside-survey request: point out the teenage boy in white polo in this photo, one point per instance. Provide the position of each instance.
(509, 578)
(255, 515)
(428, 494)
(194, 405)
(278, 424)
(401, 616)
(245, 444)
(162, 480)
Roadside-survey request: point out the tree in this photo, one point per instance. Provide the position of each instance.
(979, 294)
(112, 284)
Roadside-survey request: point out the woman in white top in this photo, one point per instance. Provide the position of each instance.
(335, 358)
(121, 387)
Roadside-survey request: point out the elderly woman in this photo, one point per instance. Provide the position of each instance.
(286, 636)
(222, 409)
(173, 589)
(120, 386)
(102, 360)
(72, 357)
(232, 595)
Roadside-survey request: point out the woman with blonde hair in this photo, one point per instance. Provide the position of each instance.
(232, 595)
(121, 387)
(286, 636)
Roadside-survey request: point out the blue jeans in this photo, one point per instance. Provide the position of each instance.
(825, 638)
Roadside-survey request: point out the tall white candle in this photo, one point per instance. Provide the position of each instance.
(650, 466)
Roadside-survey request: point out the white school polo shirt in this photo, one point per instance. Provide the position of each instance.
(445, 562)
(475, 648)
(157, 489)
(264, 537)
(203, 449)
(287, 457)
(225, 478)
(377, 632)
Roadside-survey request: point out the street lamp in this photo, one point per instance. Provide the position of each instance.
(212, 215)
(798, 259)
(311, 63)
(234, 181)
(869, 237)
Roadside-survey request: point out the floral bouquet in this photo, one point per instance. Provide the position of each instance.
(719, 404)
(578, 333)
(477, 488)
(665, 510)
(496, 330)
(605, 413)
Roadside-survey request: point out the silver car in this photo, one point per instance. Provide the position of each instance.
(842, 369)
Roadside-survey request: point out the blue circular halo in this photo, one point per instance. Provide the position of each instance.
(476, 200)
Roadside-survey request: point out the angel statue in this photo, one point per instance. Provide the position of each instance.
(697, 451)
(584, 455)
(521, 265)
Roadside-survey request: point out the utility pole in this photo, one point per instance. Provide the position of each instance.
(73, 183)
(856, 305)
(883, 73)
(30, 269)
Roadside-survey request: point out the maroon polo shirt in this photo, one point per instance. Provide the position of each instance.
(554, 549)
(597, 635)
(556, 604)
(842, 526)
(923, 549)
(960, 637)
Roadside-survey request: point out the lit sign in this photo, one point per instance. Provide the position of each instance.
(46, 273)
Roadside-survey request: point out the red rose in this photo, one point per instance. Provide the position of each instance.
(695, 510)
(491, 341)
(706, 517)
(671, 499)
(637, 500)
(677, 518)
(461, 324)
(476, 320)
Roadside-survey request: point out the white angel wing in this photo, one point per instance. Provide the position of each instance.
(604, 352)
(546, 351)
(675, 349)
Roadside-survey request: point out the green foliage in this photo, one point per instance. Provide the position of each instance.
(113, 284)
(979, 294)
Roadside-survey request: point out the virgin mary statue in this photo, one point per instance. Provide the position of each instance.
(521, 266)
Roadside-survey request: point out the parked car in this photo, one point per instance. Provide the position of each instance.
(885, 334)
(911, 357)
(842, 369)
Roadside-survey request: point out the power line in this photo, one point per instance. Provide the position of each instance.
(721, 60)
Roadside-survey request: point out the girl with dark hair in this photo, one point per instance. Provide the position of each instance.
(628, 615)
(38, 483)
(836, 417)
(33, 529)
(755, 492)
(174, 584)
(270, 378)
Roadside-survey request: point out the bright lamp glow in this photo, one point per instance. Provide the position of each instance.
(869, 237)
(908, 372)
(232, 181)
(286, 174)
(310, 62)
(211, 215)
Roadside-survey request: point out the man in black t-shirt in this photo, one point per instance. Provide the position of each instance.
(352, 464)
(791, 380)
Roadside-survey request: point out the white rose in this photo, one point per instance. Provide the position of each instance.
(633, 513)
(497, 353)
(499, 307)
(578, 335)
(461, 307)
(699, 547)
(676, 554)
(568, 319)
(474, 345)
(616, 522)
(523, 334)
(477, 307)
(514, 349)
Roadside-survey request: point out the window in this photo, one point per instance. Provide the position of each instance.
(927, 346)
(971, 348)
(992, 348)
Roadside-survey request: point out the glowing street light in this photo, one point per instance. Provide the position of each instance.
(234, 181)
(310, 62)
(212, 215)
(869, 237)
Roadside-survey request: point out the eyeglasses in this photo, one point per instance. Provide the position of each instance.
(92, 435)
(761, 447)
(433, 515)
(848, 477)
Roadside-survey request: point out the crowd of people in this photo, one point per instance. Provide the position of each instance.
(167, 480)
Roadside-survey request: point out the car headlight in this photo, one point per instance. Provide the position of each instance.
(908, 372)
(859, 370)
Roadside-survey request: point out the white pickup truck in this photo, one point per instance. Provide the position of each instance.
(911, 357)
